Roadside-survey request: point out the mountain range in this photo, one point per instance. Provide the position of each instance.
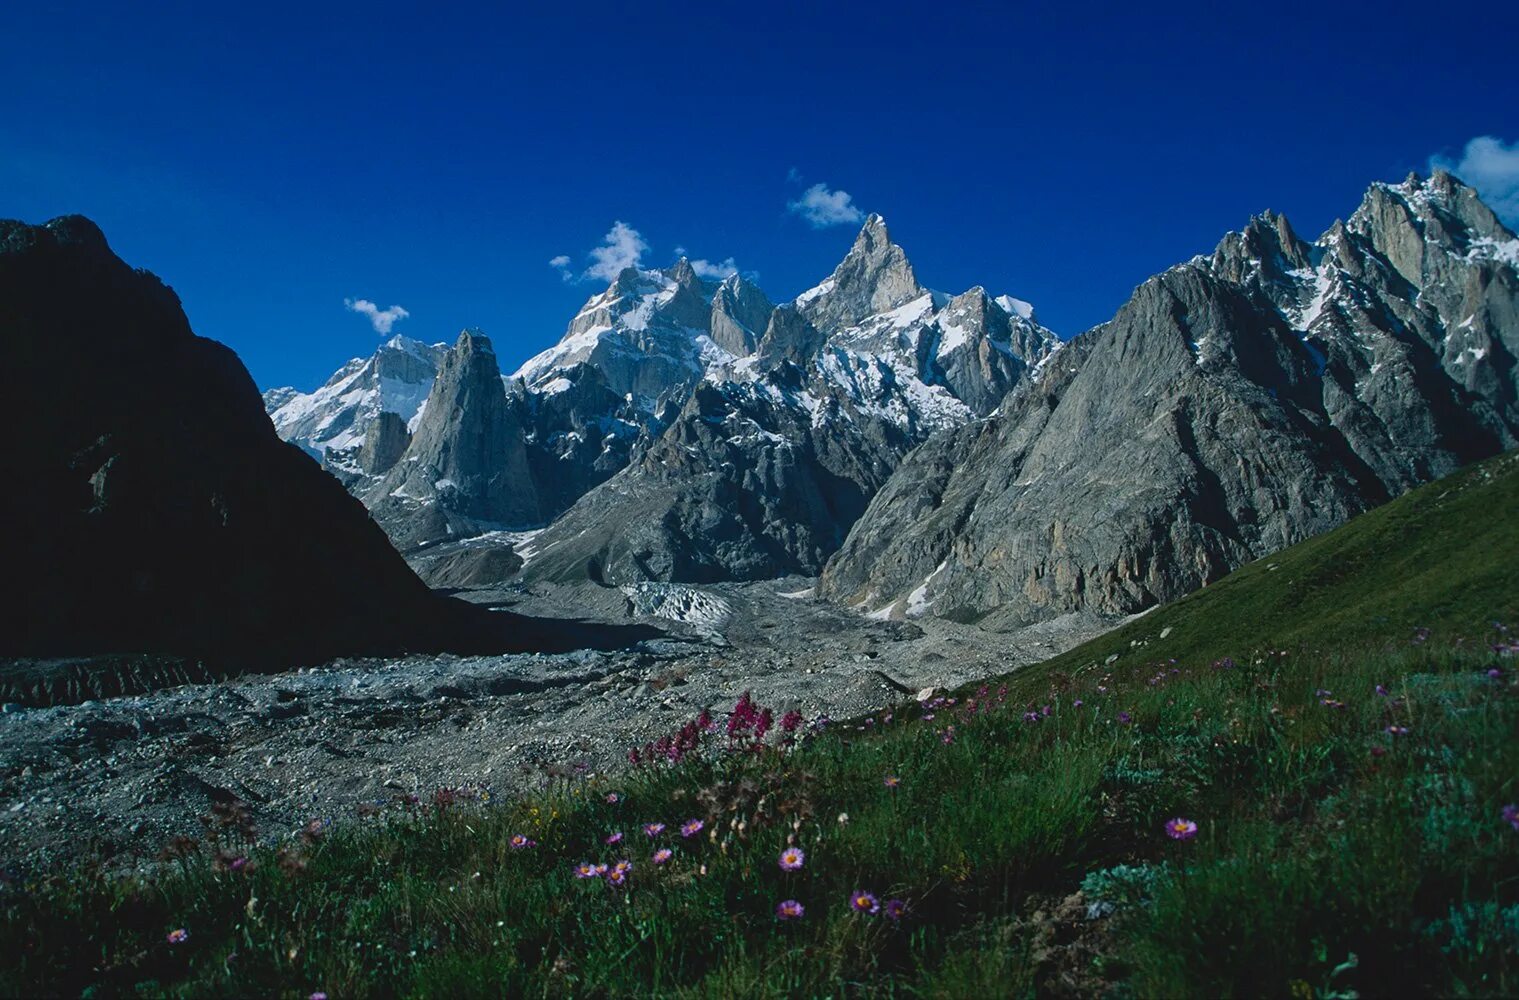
(688, 430)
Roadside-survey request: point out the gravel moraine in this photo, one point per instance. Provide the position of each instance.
(119, 777)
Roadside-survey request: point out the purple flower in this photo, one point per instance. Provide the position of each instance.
(1125, 718)
(1046, 710)
(691, 827)
(1322, 693)
(1181, 829)
(653, 829)
(1495, 673)
(792, 858)
(613, 798)
(1397, 730)
(662, 855)
(891, 781)
(238, 863)
(614, 837)
(928, 716)
(861, 901)
(893, 909)
(623, 866)
(617, 877)
(789, 909)
(1511, 815)
(1382, 690)
(178, 936)
(519, 841)
(318, 995)
(586, 869)
(1077, 703)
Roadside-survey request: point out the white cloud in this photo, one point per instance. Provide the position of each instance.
(1492, 167)
(381, 319)
(719, 270)
(622, 247)
(823, 208)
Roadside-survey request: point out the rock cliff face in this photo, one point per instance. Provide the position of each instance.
(331, 422)
(776, 454)
(1236, 404)
(466, 468)
(159, 512)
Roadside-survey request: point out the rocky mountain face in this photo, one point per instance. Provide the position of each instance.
(331, 423)
(747, 438)
(566, 421)
(1236, 404)
(159, 511)
(776, 453)
(465, 469)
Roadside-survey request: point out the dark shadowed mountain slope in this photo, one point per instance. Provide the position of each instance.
(155, 510)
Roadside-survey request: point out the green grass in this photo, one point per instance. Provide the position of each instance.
(1332, 856)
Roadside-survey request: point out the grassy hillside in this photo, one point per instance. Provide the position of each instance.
(1443, 557)
(1347, 773)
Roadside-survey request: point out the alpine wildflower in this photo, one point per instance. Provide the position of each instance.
(519, 841)
(1511, 815)
(893, 909)
(614, 837)
(586, 869)
(178, 936)
(789, 909)
(792, 858)
(1181, 829)
(691, 827)
(863, 902)
(891, 781)
(653, 829)
(662, 855)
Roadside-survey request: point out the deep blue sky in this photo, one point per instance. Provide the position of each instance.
(272, 161)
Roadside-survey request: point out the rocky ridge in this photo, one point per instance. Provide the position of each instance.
(1236, 404)
(775, 455)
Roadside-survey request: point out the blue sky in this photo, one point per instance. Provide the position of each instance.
(274, 161)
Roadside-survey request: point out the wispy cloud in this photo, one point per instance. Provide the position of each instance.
(622, 247)
(719, 270)
(381, 319)
(1492, 167)
(823, 208)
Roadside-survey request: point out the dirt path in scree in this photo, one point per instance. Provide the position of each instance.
(121, 776)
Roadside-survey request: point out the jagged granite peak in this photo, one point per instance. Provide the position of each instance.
(1235, 404)
(466, 468)
(874, 277)
(740, 314)
(650, 330)
(331, 421)
(162, 514)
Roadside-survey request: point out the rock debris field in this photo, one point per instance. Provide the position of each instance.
(118, 778)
